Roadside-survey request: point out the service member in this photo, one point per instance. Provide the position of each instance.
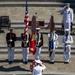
(10, 39)
(67, 40)
(39, 44)
(67, 16)
(52, 44)
(38, 68)
(25, 46)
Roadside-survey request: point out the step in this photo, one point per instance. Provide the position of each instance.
(43, 51)
(60, 46)
(18, 68)
(38, 0)
(42, 4)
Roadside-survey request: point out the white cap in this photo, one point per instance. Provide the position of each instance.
(37, 28)
(67, 3)
(11, 29)
(38, 61)
(66, 30)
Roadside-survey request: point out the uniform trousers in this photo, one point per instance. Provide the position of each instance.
(10, 54)
(25, 54)
(52, 55)
(67, 53)
(67, 25)
(37, 54)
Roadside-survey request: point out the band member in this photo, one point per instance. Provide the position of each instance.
(53, 44)
(25, 46)
(38, 68)
(67, 40)
(10, 39)
(67, 16)
(39, 43)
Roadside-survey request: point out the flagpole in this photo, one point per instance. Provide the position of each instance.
(26, 19)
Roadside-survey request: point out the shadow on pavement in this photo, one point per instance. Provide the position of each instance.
(1, 31)
(15, 68)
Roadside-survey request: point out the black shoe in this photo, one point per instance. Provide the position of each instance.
(66, 62)
(51, 62)
(26, 62)
(10, 62)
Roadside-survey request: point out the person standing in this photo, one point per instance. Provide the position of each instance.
(67, 40)
(67, 16)
(38, 68)
(39, 44)
(10, 39)
(25, 46)
(52, 45)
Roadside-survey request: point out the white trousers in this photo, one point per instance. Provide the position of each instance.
(10, 54)
(67, 54)
(67, 25)
(25, 54)
(37, 54)
(52, 56)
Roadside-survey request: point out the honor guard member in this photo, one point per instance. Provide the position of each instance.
(25, 46)
(54, 36)
(67, 40)
(67, 16)
(39, 44)
(39, 68)
(10, 39)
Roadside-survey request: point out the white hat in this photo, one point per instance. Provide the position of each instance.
(66, 30)
(67, 3)
(38, 61)
(37, 28)
(11, 29)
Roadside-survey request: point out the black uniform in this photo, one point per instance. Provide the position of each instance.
(39, 37)
(25, 40)
(11, 36)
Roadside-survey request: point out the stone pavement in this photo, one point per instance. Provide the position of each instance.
(18, 68)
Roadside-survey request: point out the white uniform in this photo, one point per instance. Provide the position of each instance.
(11, 54)
(37, 70)
(25, 46)
(39, 40)
(67, 17)
(67, 47)
(25, 54)
(37, 54)
(55, 40)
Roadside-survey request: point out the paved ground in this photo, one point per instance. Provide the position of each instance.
(18, 13)
(19, 31)
(18, 66)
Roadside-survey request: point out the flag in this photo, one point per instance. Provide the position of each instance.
(33, 24)
(32, 47)
(51, 44)
(26, 19)
(52, 28)
(51, 24)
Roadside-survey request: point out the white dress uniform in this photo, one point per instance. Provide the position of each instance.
(67, 17)
(37, 70)
(10, 39)
(67, 41)
(25, 46)
(39, 44)
(55, 40)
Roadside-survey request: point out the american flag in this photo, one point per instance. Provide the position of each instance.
(26, 19)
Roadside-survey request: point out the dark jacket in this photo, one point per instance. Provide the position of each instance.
(25, 40)
(39, 44)
(11, 36)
